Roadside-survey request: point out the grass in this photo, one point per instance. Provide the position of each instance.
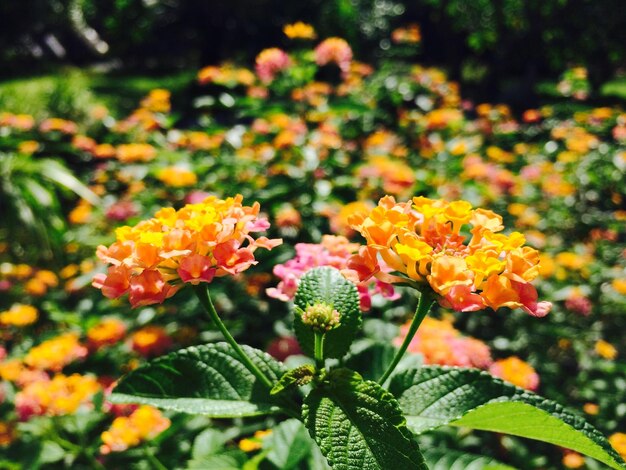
(70, 93)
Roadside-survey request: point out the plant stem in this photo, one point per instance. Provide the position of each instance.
(205, 299)
(423, 307)
(319, 350)
(156, 463)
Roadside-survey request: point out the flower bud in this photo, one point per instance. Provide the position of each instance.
(321, 317)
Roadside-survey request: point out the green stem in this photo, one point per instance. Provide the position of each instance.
(423, 307)
(156, 463)
(205, 299)
(319, 350)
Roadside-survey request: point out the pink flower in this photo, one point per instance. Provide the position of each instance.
(335, 50)
(148, 288)
(195, 269)
(270, 62)
(121, 211)
(333, 251)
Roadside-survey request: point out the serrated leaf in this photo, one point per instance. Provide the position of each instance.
(208, 379)
(436, 396)
(327, 285)
(294, 377)
(288, 444)
(359, 425)
(449, 459)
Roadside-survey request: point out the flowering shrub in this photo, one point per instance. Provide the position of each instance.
(317, 138)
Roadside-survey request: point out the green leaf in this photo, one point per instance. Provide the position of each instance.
(208, 442)
(327, 285)
(51, 452)
(208, 379)
(288, 444)
(295, 377)
(359, 425)
(436, 396)
(449, 459)
(56, 172)
(228, 460)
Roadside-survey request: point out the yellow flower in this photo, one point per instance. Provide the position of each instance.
(157, 101)
(56, 353)
(299, 30)
(255, 442)
(81, 213)
(60, 396)
(177, 177)
(605, 350)
(619, 285)
(591, 408)
(618, 441)
(28, 147)
(143, 424)
(19, 315)
(130, 153)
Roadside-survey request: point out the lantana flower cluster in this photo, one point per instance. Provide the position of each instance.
(452, 248)
(144, 424)
(59, 396)
(153, 259)
(440, 343)
(270, 62)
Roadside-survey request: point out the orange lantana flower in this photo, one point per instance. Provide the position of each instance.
(424, 241)
(151, 260)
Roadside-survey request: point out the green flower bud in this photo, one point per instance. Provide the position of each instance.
(321, 317)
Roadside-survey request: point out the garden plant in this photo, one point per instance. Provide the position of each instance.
(311, 263)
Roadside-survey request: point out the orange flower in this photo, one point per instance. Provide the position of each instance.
(177, 177)
(299, 30)
(194, 244)
(516, 371)
(423, 241)
(60, 396)
(408, 35)
(19, 315)
(618, 441)
(130, 153)
(143, 424)
(108, 331)
(605, 350)
(573, 460)
(440, 343)
(56, 353)
(157, 101)
(151, 340)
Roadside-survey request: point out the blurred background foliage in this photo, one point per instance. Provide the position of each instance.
(499, 49)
